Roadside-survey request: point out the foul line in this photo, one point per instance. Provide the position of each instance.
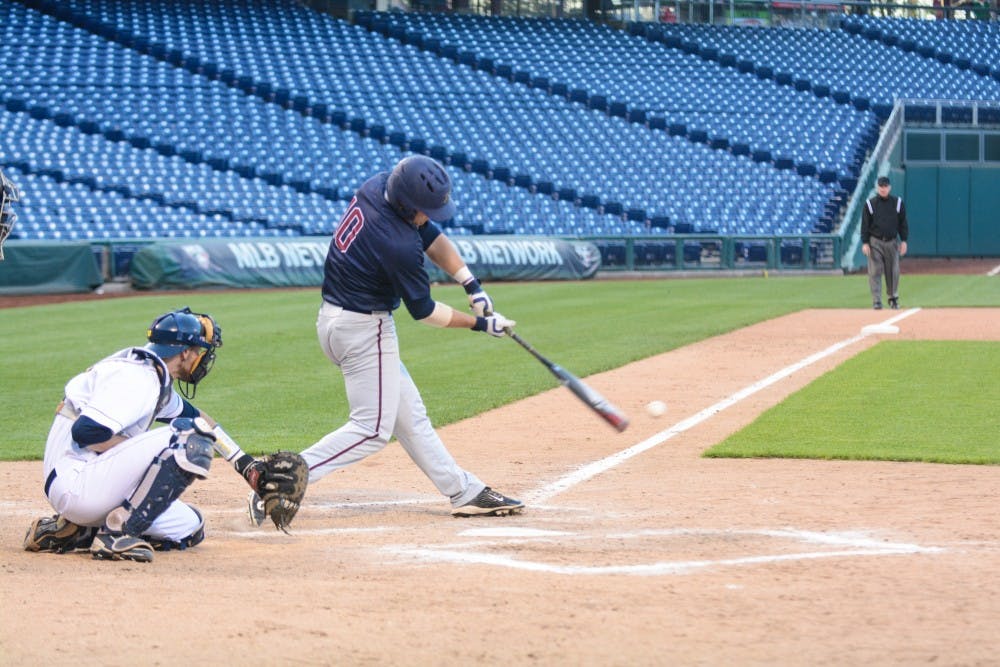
(994, 271)
(597, 467)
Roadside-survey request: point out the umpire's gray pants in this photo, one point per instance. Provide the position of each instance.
(883, 258)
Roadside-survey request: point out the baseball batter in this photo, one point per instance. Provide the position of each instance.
(115, 483)
(375, 261)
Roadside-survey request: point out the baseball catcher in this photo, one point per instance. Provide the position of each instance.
(117, 483)
(8, 195)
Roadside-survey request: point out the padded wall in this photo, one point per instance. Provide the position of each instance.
(952, 210)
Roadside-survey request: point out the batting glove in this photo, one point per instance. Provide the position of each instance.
(495, 325)
(479, 301)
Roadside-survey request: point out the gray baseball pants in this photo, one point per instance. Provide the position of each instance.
(384, 402)
(883, 259)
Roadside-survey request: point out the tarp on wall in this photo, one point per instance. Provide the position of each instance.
(48, 268)
(265, 262)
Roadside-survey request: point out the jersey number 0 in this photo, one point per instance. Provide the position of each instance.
(350, 226)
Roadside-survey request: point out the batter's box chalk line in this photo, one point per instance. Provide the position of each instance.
(837, 545)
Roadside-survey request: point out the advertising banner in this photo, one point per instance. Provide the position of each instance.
(266, 262)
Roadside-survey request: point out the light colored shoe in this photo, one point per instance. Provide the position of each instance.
(255, 510)
(118, 546)
(489, 503)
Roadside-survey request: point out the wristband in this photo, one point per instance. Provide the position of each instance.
(480, 325)
(468, 281)
(472, 286)
(242, 464)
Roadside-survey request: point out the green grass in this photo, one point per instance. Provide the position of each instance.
(273, 388)
(898, 401)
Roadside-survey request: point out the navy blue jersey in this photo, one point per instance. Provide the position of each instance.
(376, 258)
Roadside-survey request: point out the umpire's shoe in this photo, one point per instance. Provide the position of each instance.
(894, 303)
(109, 545)
(489, 503)
(56, 534)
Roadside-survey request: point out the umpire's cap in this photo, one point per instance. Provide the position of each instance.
(420, 184)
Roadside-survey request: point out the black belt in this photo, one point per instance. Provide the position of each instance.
(886, 238)
(358, 310)
(48, 481)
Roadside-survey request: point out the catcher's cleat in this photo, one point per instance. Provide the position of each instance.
(118, 546)
(255, 510)
(54, 533)
(489, 503)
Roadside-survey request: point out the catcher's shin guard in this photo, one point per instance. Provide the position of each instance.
(172, 471)
(56, 534)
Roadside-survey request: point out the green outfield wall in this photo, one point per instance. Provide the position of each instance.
(953, 211)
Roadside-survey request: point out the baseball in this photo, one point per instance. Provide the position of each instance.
(656, 408)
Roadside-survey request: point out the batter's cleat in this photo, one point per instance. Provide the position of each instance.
(489, 503)
(255, 510)
(894, 304)
(56, 534)
(119, 546)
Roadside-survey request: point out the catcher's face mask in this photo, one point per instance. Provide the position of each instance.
(8, 195)
(205, 359)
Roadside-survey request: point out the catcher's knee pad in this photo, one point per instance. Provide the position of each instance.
(192, 446)
(164, 482)
(196, 537)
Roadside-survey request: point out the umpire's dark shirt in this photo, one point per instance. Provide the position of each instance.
(884, 218)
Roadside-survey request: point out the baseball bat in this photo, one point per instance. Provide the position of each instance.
(591, 398)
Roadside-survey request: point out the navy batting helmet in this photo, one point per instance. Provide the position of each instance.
(420, 184)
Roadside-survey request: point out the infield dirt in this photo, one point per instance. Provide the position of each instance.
(663, 558)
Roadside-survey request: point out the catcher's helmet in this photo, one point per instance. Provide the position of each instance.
(8, 195)
(420, 184)
(172, 333)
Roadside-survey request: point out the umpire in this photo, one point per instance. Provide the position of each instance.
(883, 221)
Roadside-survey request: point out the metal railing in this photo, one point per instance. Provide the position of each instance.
(815, 13)
(720, 253)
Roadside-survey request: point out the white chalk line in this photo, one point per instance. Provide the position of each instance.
(849, 545)
(266, 532)
(597, 467)
(994, 271)
(854, 546)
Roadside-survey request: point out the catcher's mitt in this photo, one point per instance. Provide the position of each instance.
(280, 479)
